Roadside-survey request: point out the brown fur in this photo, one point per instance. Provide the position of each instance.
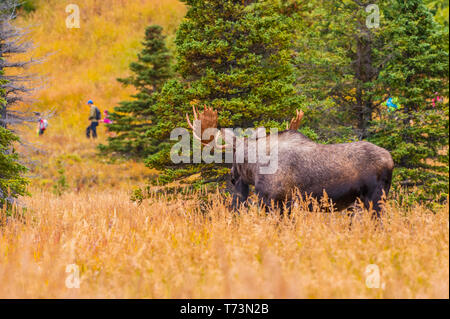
(345, 172)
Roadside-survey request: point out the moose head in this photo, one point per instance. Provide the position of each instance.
(208, 119)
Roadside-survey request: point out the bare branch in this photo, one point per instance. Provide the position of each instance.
(17, 87)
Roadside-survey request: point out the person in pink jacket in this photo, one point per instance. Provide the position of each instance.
(106, 119)
(436, 99)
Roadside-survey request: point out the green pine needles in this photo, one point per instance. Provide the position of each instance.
(349, 69)
(12, 183)
(417, 134)
(133, 119)
(235, 56)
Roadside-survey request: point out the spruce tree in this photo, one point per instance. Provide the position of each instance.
(12, 183)
(417, 134)
(338, 66)
(132, 119)
(351, 69)
(234, 56)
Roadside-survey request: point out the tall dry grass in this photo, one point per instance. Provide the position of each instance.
(181, 248)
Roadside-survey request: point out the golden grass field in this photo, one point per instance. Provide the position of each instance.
(82, 64)
(175, 249)
(179, 248)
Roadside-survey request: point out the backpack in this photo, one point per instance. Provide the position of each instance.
(98, 115)
(43, 124)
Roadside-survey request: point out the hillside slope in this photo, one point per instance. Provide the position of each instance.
(83, 64)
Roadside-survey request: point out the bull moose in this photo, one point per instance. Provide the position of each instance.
(346, 172)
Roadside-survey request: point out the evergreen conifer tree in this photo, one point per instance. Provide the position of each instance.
(132, 119)
(235, 56)
(440, 10)
(12, 183)
(338, 66)
(417, 133)
(350, 68)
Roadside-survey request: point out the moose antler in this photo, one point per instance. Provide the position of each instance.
(208, 119)
(295, 122)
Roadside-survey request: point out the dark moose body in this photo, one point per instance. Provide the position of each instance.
(345, 172)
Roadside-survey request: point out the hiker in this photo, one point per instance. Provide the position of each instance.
(436, 99)
(94, 117)
(42, 126)
(106, 119)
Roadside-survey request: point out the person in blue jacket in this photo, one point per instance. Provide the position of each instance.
(94, 117)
